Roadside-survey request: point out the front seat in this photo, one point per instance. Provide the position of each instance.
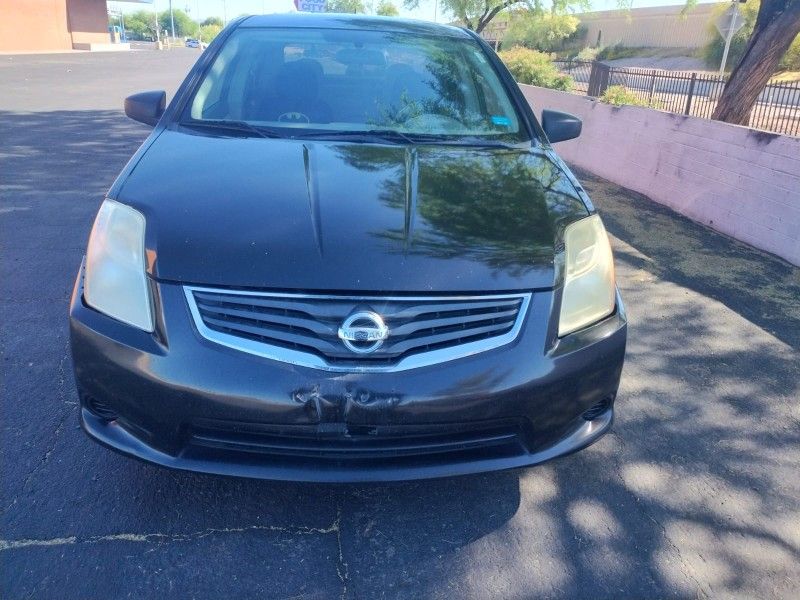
(297, 94)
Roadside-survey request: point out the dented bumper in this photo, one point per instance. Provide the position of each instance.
(179, 400)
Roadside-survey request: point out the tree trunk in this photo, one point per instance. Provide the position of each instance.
(777, 24)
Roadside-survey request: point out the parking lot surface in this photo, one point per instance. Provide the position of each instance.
(696, 493)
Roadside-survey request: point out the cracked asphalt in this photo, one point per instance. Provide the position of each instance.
(696, 493)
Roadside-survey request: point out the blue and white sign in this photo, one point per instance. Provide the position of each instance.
(311, 5)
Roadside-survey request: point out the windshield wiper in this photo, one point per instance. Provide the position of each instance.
(237, 126)
(471, 141)
(398, 137)
(383, 135)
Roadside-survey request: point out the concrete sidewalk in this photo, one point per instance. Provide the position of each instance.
(696, 492)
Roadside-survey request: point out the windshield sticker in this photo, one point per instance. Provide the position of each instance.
(501, 120)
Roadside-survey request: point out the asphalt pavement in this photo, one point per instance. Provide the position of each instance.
(696, 493)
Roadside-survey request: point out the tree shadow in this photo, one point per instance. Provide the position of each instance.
(761, 287)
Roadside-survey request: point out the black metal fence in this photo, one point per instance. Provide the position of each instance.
(696, 94)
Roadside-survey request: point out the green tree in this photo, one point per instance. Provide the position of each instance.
(184, 25)
(140, 25)
(777, 25)
(477, 14)
(143, 23)
(347, 6)
(207, 33)
(387, 9)
(213, 21)
(543, 32)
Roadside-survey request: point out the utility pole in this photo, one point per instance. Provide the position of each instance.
(172, 19)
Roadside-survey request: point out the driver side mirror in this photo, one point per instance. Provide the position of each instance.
(560, 126)
(146, 107)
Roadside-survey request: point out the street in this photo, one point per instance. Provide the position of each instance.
(695, 493)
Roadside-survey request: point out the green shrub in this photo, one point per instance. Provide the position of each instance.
(712, 51)
(619, 51)
(791, 60)
(535, 68)
(619, 95)
(589, 54)
(209, 32)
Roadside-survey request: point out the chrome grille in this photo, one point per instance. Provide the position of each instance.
(304, 329)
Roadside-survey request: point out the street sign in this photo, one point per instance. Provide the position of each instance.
(727, 25)
(730, 22)
(311, 5)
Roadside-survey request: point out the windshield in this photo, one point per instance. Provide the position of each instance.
(339, 81)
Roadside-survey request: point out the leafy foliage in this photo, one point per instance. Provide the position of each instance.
(139, 25)
(387, 9)
(184, 24)
(619, 95)
(347, 6)
(207, 33)
(791, 60)
(477, 14)
(212, 21)
(544, 32)
(588, 54)
(712, 52)
(535, 68)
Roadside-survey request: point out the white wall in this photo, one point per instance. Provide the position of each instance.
(739, 181)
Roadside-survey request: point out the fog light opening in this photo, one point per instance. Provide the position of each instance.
(99, 408)
(597, 410)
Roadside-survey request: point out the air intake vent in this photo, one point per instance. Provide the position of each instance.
(597, 410)
(100, 408)
(313, 330)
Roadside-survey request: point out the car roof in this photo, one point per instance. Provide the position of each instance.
(355, 22)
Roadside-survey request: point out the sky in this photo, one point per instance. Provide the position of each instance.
(201, 9)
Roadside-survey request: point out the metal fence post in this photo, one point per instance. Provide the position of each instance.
(691, 94)
(652, 87)
(598, 79)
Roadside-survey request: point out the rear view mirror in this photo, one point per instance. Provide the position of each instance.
(146, 107)
(560, 126)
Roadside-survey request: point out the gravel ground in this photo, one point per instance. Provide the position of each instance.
(696, 493)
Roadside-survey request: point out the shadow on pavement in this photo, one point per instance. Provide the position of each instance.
(759, 286)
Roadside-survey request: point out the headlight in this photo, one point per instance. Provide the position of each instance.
(589, 293)
(115, 280)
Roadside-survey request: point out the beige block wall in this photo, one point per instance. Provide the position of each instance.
(661, 27)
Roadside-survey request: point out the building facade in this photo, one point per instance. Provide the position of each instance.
(52, 25)
(652, 26)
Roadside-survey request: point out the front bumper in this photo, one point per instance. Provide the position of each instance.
(178, 400)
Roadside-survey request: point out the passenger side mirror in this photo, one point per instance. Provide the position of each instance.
(146, 107)
(560, 126)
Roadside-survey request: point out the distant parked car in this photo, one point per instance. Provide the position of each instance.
(347, 252)
(192, 43)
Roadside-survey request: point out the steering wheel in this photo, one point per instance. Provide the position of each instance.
(294, 117)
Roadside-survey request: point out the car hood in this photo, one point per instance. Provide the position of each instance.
(334, 216)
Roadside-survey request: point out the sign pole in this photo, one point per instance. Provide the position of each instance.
(732, 29)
